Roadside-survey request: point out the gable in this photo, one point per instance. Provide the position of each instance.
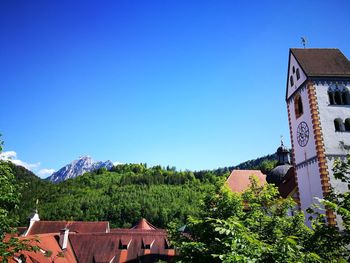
(297, 79)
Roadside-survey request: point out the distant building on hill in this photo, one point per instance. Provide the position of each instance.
(318, 103)
(84, 242)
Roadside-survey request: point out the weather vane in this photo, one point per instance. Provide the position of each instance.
(303, 41)
(282, 140)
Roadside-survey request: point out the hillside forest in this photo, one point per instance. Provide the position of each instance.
(124, 194)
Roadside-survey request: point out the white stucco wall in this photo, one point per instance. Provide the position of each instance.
(309, 150)
(309, 185)
(328, 113)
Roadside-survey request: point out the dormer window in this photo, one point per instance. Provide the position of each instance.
(147, 242)
(298, 106)
(124, 243)
(298, 74)
(291, 81)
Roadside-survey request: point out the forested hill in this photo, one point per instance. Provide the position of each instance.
(122, 195)
(254, 164)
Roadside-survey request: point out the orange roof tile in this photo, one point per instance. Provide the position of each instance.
(47, 242)
(42, 227)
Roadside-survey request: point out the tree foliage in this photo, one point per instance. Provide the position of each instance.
(121, 196)
(256, 226)
(9, 200)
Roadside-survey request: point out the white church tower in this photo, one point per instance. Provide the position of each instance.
(318, 103)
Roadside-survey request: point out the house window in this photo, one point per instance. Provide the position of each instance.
(298, 74)
(298, 106)
(347, 125)
(291, 81)
(338, 124)
(293, 69)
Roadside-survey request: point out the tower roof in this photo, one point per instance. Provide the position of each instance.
(277, 175)
(322, 62)
(143, 224)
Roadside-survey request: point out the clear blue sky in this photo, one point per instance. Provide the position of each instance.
(191, 84)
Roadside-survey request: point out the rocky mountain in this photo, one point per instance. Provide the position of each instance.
(78, 167)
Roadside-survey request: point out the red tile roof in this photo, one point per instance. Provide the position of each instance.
(142, 242)
(239, 180)
(47, 242)
(41, 227)
(326, 62)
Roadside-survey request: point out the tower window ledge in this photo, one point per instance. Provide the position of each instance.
(339, 105)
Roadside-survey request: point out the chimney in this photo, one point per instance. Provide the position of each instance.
(63, 241)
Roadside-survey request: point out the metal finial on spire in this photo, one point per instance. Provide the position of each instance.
(303, 41)
(282, 140)
(36, 206)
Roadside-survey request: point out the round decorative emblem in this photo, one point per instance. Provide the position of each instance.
(302, 134)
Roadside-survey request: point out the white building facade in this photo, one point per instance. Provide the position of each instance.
(318, 103)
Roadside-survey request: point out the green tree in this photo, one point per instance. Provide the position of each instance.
(256, 226)
(9, 199)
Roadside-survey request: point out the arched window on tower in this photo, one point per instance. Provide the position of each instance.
(338, 124)
(298, 106)
(331, 97)
(345, 97)
(298, 74)
(291, 81)
(347, 125)
(338, 98)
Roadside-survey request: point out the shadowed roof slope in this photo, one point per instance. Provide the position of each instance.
(41, 227)
(239, 181)
(323, 62)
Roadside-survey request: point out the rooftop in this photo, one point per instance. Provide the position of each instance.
(322, 62)
(42, 227)
(239, 180)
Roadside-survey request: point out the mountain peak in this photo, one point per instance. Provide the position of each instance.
(78, 167)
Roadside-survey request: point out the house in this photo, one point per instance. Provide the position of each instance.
(141, 243)
(76, 241)
(239, 180)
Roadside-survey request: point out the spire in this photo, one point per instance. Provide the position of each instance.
(282, 154)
